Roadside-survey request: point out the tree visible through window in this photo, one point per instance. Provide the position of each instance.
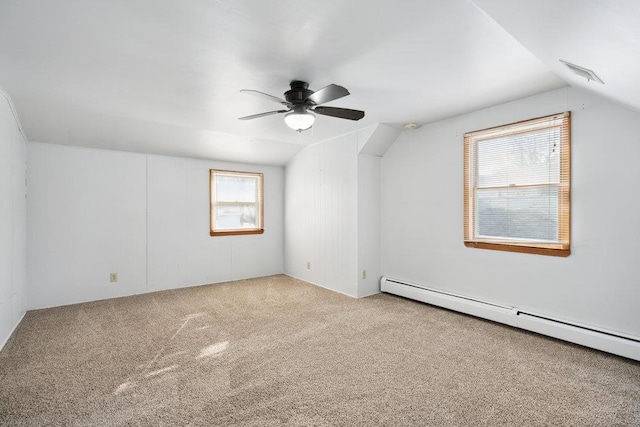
(236, 202)
(517, 186)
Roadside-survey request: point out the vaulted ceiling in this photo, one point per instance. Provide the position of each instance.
(165, 76)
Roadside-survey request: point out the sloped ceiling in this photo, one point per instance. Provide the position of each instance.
(600, 35)
(164, 76)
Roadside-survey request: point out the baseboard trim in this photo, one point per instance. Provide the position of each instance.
(319, 285)
(370, 294)
(6, 340)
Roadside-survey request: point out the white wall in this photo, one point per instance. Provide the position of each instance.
(332, 216)
(321, 214)
(93, 212)
(369, 224)
(181, 251)
(86, 218)
(13, 235)
(597, 285)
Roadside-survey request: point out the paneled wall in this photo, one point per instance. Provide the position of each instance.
(321, 234)
(95, 212)
(368, 225)
(180, 250)
(13, 228)
(86, 219)
(332, 216)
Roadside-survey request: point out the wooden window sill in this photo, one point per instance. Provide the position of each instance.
(520, 248)
(235, 232)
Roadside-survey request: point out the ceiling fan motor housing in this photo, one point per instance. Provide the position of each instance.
(298, 93)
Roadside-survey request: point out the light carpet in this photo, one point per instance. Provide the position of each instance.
(276, 351)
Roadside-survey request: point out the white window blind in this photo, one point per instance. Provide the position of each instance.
(517, 186)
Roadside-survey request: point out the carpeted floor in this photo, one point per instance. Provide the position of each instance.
(276, 351)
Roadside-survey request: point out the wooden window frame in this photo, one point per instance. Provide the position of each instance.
(213, 203)
(562, 248)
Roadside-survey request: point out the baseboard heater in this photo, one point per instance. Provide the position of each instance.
(611, 342)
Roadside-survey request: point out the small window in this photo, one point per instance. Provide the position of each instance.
(517, 186)
(236, 203)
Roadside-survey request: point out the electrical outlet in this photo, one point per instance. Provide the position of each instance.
(364, 274)
(113, 277)
(308, 265)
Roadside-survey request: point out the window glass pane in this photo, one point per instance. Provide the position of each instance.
(518, 213)
(236, 188)
(236, 216)
(522, 159)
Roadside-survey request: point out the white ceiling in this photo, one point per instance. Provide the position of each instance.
(600, 35)
(164, 76)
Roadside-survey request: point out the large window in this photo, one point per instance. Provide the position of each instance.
(236, 203)
(517, 186)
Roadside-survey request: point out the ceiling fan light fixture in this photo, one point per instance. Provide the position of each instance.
(299, 121)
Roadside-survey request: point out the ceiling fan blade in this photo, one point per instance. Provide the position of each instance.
(327, 94)
(255, 116)
(266, 96)
(342, 113)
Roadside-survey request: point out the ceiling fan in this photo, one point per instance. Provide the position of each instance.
(303, 104)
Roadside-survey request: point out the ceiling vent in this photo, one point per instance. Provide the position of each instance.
(582, 72)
